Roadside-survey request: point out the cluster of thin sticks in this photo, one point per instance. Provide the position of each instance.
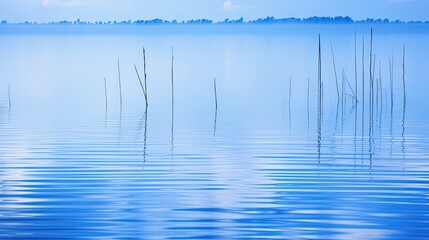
(143, 83)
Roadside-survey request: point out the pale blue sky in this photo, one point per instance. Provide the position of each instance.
(94, 10)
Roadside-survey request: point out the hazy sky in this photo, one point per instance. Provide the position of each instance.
(94, 10)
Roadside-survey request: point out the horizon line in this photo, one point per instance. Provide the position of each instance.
(266, 20)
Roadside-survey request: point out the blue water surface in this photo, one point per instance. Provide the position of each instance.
(268, 162)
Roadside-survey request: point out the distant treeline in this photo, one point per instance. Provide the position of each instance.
(267, 20)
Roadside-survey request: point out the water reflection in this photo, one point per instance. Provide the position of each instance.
(215, 122)
(145, 135)
(142, 127)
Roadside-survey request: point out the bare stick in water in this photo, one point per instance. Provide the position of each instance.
(105, 91)
(342, 89)
(215, 91)
(319, 85)
(375, 80)
(350, 86)
(308, 92)
(319, 103)
(120, 84)
(355, 69)
(335, 71)
(363, 81)
(321, 100)
(140, 81)
(370, 72)
(308, 98)
(290, 91)
(143, 87)
(145, 76)
(381, 88)
(391, 81)
(290, 95)
(403, 75)
(172, 79)
(8, 93)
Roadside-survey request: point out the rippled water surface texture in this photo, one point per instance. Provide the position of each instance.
(271, 161)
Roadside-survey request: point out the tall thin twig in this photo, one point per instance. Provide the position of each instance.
(370, 71)
(335, 70)
(372, 82)
(391, 81)
(319, 85)
(308, 101)
(319, 103)
(290, 96)
(308, 92)
(363, 82)
(350, 86)
(145, 76)
(355, 68)
(8, 93)
(105, 91)
(403, 76)
(120, 84)
(215, 91)
(140, 81)
(375, 81)
(172, 79)
(381, 87)
(290, 91)
(143, 87)
(342, 88)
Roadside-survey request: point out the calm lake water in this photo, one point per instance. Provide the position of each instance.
(267, 163)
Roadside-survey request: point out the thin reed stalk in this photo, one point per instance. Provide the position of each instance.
(378, 87)
(215, 91)
(355, 66)
(308, 101)
(105, 91)
(350, 86)
(363, 81)
(172, 79)
(391, 81)
(120, 83)
(145, 76)
(335, 70)
(290, 91)
(342, 89)
(319, 77)
(308, 92)
(319, 100)
(8, 93)
(319, 73)
(403, 76)
(381, 87)
(290, 96)
(141, 84)
(375, 81)
(370, 71)
(143, 87)
(322, 99)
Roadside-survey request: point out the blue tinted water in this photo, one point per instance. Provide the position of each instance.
(253, 168)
